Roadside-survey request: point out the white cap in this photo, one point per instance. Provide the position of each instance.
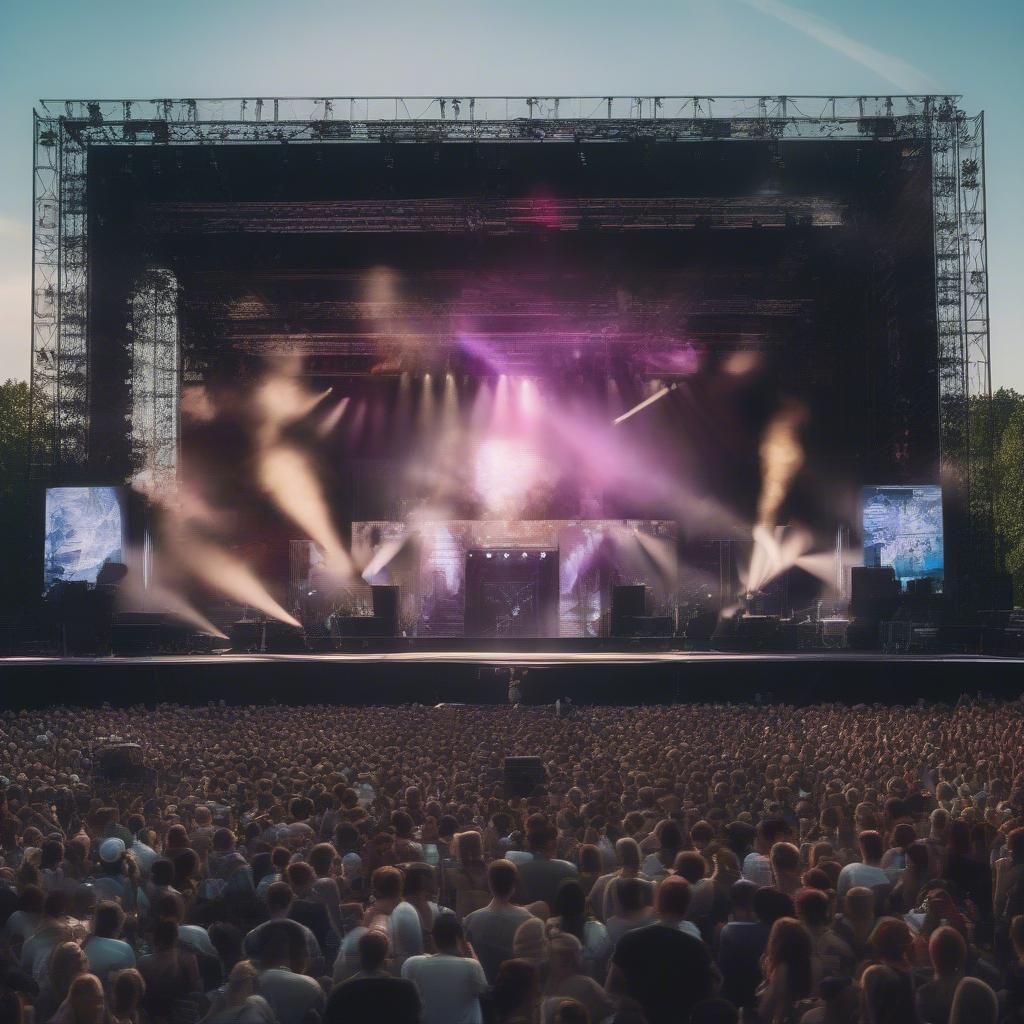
(111, 850)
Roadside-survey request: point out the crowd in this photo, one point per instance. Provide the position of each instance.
(704, 864)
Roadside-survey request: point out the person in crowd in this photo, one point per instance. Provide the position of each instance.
(239, 1002)
(106, 950)
(516, 992)
(85, 1003)
(169, 972)
(127, 990)
(567, 979)
(450, 981)
(373, 994)
(491, 930)
(974, 1003)
(283, 982)
(788, 972)
(361, 832)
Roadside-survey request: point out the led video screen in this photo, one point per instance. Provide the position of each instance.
(84, 529)
(903, 529)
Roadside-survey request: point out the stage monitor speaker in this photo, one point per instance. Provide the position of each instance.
(385, 608)
(874, 592)
(522, 776)
(628, 602)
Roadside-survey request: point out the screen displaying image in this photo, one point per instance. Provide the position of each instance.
(903, 529)
(84, 529)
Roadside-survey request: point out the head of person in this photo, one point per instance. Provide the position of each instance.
(790, 946)
(629, 892)
(516, 988)
(627, 852)
(590, 860)
(387, 883)
(689, 864)
(570, 906)
(770, 905)
(127, 988)
(300, 876)
(785, 861)
(447, 933)
(469, 848)
(56, 905)
(974, 1002)
(887, 996)
(86, 999)
(891, 942)
(947, 952)
(373, 950)
(813, 909)
(566, 953)
(322, 859)
(571, 1011)
(242, 982)
(769, 832)
(531, 942)
(741, 898)
(279, 899)
(108, 920)
(871, 846)
(502, 876)
(67, 961)
(859, 905)
(161, 873)
(673, 898)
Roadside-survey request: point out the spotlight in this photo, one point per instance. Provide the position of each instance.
(646, 402)
(525, 555)
(489, 555)
(543, 554)
(506, 554)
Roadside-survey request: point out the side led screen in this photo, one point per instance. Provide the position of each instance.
(903, 529)
(84, 529)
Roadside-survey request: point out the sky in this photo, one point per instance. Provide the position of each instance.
(111, 49)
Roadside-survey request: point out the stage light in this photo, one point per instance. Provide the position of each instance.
(543, 554)
(643, 405)
(506, 554)
(525, 555)
(489, 555)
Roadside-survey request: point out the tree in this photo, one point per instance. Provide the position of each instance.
(18, 500)
(1008, 495)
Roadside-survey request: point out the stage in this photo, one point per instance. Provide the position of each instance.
(430, 676)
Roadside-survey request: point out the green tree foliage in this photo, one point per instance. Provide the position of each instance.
(1008, 494)
(18, 501)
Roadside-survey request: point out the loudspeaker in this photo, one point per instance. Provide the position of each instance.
(385, 608)
(628, 602)
(874, 592)
(522, 775)
(121, 760)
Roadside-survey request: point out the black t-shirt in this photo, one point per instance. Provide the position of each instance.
(666, 971)
(373, 1001)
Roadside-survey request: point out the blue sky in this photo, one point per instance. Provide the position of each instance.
(109, 49)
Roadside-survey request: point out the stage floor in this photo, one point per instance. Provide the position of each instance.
(433, 676)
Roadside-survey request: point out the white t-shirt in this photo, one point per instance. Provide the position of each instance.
(291, 996)
(757, 869)
(860, 874)
(107, 956)
(449, 987)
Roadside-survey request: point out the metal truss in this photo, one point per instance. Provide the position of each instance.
(65, 129)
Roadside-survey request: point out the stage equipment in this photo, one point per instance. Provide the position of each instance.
(523, 775)
(660, 393)
(903, 529)
(875, 592)
(385, 608)
(121, 761)
(629, 605)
